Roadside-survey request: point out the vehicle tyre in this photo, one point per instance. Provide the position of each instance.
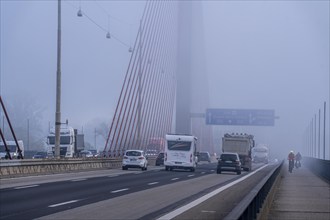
(124, 168)
(192, 169)
(238, 172)
(218, 171)
(166, 168)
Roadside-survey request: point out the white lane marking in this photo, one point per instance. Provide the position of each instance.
(119, 190)
(77, 180)
(24, 187)
(212, 170)
(191, 175)
(114, 175)
(196, 202)
(208, 211)
(63, 203)
(153, 183)
(202, 172)
(175, 179)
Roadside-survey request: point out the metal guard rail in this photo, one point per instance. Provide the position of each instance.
(319, 167)
(249, 207)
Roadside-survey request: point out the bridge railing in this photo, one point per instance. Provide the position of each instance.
(258, 198)
(319, 167)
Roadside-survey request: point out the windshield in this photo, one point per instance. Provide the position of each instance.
(179, 145)
(63, 140)
(228, 157)
(203, 155)
(41, 153)
(12, 148)
(234, 143)
(93, 151)
(133, 153)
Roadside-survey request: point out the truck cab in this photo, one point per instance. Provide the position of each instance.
(67, 141)
(260, 154)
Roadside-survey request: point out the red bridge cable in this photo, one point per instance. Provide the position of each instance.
(135, 131)
(155, 117)
(128, 133)
(128, 87)
(114, 117)
(153, 86)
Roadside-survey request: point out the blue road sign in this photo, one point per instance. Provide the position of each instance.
(253, 117)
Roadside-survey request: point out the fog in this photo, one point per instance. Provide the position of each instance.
(258, 55)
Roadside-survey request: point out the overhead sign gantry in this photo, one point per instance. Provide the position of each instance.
(252, 117)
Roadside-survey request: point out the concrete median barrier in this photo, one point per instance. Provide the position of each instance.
(14, 168)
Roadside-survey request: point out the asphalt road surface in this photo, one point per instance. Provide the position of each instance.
(107, 194)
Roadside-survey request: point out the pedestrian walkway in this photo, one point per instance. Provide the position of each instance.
(301, 195)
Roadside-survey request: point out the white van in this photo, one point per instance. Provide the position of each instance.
(180, 152)
(13, 150)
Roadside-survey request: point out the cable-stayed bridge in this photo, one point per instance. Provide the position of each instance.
(159, 93)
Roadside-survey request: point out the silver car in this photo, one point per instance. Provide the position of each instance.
(135, 159)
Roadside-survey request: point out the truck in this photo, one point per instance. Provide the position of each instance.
(260, 154)
(180, 152)
(13, 150)
(71, 143)
(242, 144)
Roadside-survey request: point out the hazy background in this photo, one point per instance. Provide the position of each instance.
(259, 55)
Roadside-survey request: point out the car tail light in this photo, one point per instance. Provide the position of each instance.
(191, 158)
(141, 158)
(165, 157)
(125, 157)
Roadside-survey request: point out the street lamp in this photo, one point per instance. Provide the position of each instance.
(28, 134)
(79, 13)
(58, 86)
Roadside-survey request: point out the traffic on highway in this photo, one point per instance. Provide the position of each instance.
(112, 193)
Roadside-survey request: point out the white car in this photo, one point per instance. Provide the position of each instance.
(135, 159)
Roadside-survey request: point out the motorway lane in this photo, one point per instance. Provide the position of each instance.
(154, 202)
(34, 200)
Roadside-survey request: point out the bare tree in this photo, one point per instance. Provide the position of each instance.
(25, 115)
(96, 132)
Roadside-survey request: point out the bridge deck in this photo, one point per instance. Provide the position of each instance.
(301, 195)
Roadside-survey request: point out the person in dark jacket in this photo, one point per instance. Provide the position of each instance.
(291, 158)
(298, 159)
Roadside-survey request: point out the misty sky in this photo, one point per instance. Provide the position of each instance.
(259, 55)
